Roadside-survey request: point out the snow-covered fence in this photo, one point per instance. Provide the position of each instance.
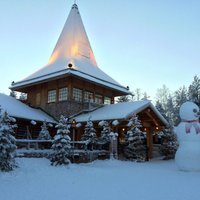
(28, 143)
(80, 152)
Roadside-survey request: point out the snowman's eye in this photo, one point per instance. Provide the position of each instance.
(195, 110)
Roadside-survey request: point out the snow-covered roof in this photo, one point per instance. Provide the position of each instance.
(119, 111)
(16, 108)
(73, 47)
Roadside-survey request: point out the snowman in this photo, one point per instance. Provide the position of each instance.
(187, 156)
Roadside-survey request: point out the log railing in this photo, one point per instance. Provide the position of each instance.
(28, 143)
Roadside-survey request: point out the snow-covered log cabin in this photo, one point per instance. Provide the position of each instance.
(152, 120)
(72, 84)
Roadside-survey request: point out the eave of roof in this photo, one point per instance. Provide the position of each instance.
(16, 108)
(68, 71)
(119, 111)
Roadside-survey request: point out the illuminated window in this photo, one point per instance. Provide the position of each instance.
(63, 94)
(88, 96)
(77, 94)
(98, 99)
(107, 100)
(51, 96)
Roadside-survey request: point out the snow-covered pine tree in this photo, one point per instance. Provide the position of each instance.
(194, 90)
(145, 96)
(135, 140)
(89, 134)
(7, 142)
(44, 133)
(13, 94)
(22, 96)
(61, 145)
(105, 133)
(123, 99)
(180, 96)
(169, 143)
(160, 108)
(171, 111)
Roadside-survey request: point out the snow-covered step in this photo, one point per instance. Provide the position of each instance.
(156, 153)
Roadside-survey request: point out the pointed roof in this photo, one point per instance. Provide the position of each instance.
(73, 41)
(73, 47)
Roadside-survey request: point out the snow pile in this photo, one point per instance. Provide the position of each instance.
(100, 180)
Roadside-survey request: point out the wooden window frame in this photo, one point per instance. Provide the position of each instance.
(77, 94)
(98, 98)
(63, 94)
(51, 96)
(88, 96)
(107, 100)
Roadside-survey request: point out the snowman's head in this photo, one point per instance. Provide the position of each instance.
(189, 111)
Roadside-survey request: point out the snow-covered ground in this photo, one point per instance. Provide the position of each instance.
(35, 179)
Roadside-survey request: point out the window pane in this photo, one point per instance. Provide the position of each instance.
(98, 99)
(51, 96)
(63, 93)
(107, 100)
(77, 94)
(88, 96)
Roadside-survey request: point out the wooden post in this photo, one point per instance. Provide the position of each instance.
(149, 143)
(113, 148)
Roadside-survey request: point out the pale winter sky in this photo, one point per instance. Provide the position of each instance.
(140, 43)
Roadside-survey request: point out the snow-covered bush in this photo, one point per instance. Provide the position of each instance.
(89, 133)
(169, 143)
(115, 122)
(113, 135)
(33, 122)
(135, 148)
(61, 145)
(44, 133)
(7, 142)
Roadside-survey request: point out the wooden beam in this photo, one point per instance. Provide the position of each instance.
(148, 112)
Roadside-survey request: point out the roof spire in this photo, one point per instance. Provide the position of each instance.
(73, 42)
(73, 51)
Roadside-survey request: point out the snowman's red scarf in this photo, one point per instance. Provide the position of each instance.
(190, 123)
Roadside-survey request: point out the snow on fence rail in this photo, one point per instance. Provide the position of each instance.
(36, 142)
(32, 149)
